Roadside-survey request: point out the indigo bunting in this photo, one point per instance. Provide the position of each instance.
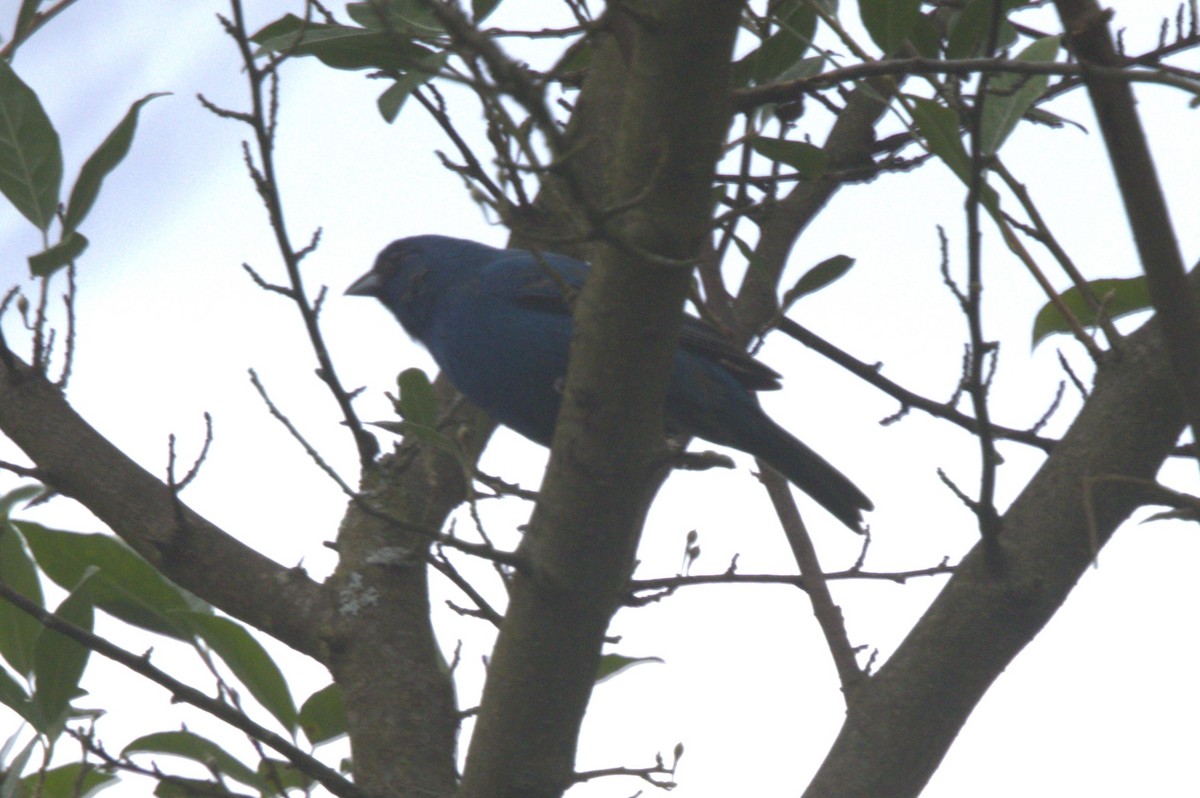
(497, 321)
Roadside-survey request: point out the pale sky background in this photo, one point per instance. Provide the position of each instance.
(169, 323)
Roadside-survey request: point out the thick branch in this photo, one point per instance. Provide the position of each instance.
(399, 699)
(607, 458)
(80, 463)
(904, 720)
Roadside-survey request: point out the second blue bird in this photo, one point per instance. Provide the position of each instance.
(497, 321)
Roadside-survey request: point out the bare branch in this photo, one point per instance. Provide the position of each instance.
(828, 614)
(785, 91)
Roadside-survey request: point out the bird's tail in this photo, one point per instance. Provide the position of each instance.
(806, 469)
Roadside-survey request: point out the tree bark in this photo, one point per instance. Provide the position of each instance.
(902, 722)
(607, 458)
(77, 461)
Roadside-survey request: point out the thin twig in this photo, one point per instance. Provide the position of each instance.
(483, 551)
(262, 120)
(730, 577)
(981, 350)
(69, 347)
(791, 90)
(1043, 234)
(39, 19)
(871, 374)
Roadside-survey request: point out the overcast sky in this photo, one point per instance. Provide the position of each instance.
(169, 324)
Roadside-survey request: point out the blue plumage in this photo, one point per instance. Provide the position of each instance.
(497, 322)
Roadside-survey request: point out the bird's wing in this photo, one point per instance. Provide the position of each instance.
(547, 282)
(705, 340)
(538, 281)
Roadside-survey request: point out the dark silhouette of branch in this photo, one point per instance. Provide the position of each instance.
(790, 90)
(828, 614)
(669, 584)
(36, 21)
(982, 353)
(908, 399)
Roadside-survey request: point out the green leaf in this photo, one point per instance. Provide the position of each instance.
(284, 773)
(783, 50)
(926, 38)
(482, 9)
(939, 127)
(199, 749)
(418, 407)
(752, 259)
(1118, 297)
(807, 159)
(67, 781)
(1043, 117)
(968, 29)
(49, 261)
(127, 587)
(15, 496)
(406, 16)
(341, 46)
(179, 787)
(578, 57)
(1010, 96)
(13, 695)
(889, 22)
(816, 278)
(430, 437)
(392, 99)
(612, 664)
(30, 158)
(58, 661)
(424, 434)
(418, 403)
(18, 631)
(106, 157)
(10, 779)
(249, 661)
(323, 718)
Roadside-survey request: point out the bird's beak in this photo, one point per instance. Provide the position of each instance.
(367, 285)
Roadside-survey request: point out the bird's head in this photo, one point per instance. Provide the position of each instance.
(412, 275)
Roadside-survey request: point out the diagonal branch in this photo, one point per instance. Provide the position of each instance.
(1145, 205)
(905, 719)
(74, 459)
(791, 90)
(828, 614)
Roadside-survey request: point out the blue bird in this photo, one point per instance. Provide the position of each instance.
(497, 322)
